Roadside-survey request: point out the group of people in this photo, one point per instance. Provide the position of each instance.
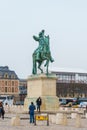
(32, 108)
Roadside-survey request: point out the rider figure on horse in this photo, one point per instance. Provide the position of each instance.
(43, 47)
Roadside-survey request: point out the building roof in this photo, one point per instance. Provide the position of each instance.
(23, 80)
(68, 70)
(4, 70)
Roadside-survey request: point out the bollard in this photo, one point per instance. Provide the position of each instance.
(78, 120)
(73, 115)
(52, 119)
(64, 119)
(59, 118)
(86, 115)
(15, 121)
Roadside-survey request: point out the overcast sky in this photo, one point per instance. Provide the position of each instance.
(65, 21)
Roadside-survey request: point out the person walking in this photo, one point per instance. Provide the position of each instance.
(31, 112)
(2, 111)
(38, 102)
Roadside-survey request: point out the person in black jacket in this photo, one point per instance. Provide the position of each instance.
(38, 102)
(2, 111)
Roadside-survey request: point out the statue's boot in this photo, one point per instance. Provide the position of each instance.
(51, 59)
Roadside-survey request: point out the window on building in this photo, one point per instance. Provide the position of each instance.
(12, 83)
(6, 75)
(5, 89)
(6, 83)
(13, 76)
(9, 83)
(12, 89)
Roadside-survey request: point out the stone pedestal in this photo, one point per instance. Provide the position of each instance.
(43, 86)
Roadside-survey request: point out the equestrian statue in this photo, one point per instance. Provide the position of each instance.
(42, 53)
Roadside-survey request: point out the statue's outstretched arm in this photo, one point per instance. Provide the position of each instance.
(36, 38)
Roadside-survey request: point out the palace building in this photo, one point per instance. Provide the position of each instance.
(9, 81)
(70, 82)
(10, 84)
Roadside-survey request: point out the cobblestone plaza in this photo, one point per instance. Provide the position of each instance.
(41, 125)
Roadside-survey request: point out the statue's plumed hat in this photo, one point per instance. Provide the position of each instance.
(41, 32)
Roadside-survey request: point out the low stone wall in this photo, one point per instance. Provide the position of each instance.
(20, 109)
(14, 109)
